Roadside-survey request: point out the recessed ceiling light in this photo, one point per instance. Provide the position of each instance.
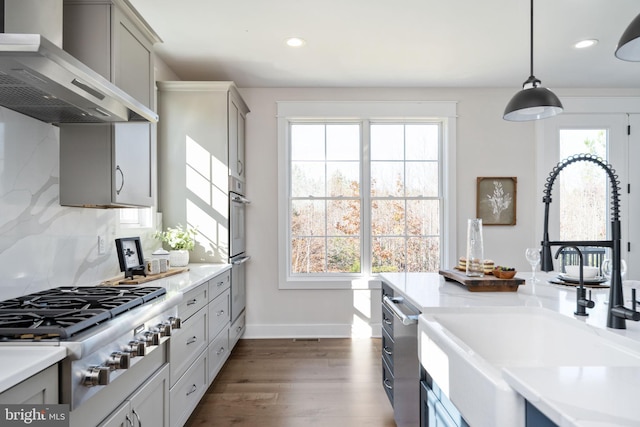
(585, 43)
(295, 42)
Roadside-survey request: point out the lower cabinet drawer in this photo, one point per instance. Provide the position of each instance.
(387, 381)
(218, 353)
(219, 316)
(236, 330)
(187, 343)
(387, 349)
(187, 392)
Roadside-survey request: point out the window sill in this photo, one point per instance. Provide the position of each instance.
(325, 284)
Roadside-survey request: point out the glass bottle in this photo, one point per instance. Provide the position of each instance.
(475, 251)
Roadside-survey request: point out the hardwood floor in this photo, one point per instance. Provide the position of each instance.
(287, 383)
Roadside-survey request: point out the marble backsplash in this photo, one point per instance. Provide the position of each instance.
(42, 244)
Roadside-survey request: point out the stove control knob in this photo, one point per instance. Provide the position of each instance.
(175, 322)
(118, 360)
(96, 375)
(164, 329)
(135, 348)
(151, 338)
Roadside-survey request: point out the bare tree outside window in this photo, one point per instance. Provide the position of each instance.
(583, 186)
(403, 204)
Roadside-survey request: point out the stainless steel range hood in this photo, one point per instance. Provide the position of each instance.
(40, 80)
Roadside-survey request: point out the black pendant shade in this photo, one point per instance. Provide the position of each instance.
(629, 45)
(533, 102)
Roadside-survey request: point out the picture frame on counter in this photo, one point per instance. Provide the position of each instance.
(496, 200)
(130, 256)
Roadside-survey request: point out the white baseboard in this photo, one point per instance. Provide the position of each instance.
(309, 331)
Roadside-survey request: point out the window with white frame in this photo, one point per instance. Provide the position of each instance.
(135, 218)
(361, 195)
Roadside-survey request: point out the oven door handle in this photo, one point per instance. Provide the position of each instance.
(241, 260)
(239, 199)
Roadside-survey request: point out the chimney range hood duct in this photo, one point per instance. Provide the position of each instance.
(40, 80)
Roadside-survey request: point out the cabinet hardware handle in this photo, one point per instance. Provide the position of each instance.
(220, 313)
(387, 321)
(219, 352)
(191, 302)
(129, 420)
(121, 175)
(137, 417)
(239, 328)
(192, 340)
(387, 385)
(193, 390)
(240, 168)
(386, 350)
(241, 260)
(221, 283)
(391, 304)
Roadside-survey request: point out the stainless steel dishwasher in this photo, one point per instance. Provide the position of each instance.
(400, 365)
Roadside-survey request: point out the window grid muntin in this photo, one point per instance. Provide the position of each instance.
(365, 199)
(325, 199)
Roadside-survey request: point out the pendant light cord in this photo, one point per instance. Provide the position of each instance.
(531, 41)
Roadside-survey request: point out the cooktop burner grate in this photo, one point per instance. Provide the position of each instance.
(65, 311)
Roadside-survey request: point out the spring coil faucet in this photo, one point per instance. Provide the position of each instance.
(617, 312)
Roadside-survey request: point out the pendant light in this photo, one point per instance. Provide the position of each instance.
(533, 102)
(629, 45)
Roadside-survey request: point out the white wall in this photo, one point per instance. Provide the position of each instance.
(487, 145)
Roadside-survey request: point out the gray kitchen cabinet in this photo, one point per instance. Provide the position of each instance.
(237, 112)
(106, 165)
(200, 136)
(400, 365)
(149, 405)
(187, 392)
(219, 321)
(111, 165)
(112, 39)
(40, 389)
(191, 339)
(200, 347)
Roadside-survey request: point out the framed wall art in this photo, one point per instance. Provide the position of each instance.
(496, 200)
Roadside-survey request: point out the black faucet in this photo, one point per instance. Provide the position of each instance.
(617, 312)
(582, 302)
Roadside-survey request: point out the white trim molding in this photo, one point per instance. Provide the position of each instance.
(443, 111)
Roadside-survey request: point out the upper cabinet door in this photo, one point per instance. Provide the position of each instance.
(237, 113)
(132, 183)
(132, 60)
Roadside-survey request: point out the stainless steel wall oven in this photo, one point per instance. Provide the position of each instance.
(237, 246)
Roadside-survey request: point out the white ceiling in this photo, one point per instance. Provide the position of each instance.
(393, 43)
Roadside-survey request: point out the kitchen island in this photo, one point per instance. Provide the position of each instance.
(566, 395)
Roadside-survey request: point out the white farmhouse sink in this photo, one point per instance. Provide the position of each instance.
(464, 350)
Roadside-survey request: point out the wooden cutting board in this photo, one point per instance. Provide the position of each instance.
(482, 284)
(137, 280)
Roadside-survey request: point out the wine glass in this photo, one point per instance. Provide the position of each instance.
(533, 256)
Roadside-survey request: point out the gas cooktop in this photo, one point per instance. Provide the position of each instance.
(65, 311)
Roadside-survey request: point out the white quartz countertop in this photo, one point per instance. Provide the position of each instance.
(196, 275)
(17, 363)
(569, 395)
(586, 396)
